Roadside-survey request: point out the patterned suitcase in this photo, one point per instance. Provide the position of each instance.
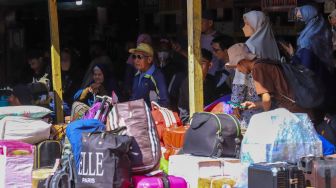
(275, 175)
(159, 181)
(320, 172)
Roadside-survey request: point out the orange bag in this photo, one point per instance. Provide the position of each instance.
(163, 119)
(173, 139)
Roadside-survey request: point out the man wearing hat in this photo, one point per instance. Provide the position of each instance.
(269, 80)
(149, 82)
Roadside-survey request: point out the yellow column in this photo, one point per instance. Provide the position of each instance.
(194, 56)
(55, 60)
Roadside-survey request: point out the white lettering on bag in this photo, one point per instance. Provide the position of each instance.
(94, 172)
(99, 157)
(88, 180)
(94, 166)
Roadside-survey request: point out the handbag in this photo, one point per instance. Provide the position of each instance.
(104, 160)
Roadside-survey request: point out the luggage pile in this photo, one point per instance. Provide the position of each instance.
(128, 144)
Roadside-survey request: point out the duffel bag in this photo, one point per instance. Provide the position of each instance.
(145, 150)
(213, 135)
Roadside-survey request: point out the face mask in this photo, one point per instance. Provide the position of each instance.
(163, 56)
(248, 30)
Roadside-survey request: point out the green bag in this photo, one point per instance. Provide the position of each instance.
(164, 165)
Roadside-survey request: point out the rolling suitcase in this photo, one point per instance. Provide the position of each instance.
(320, 172)
(159, 181)
(275, 175)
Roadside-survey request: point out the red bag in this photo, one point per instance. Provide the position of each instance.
(163, 119)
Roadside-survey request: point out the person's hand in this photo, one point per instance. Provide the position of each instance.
(249, 105)
(236, 112)
(94, 88)
(288, 47)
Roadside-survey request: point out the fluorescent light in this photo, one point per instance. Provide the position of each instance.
(79, 2)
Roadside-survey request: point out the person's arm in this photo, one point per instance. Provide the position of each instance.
(183, 102)
(264, 104)
(238, 96)
(266, 101)
(307, 58)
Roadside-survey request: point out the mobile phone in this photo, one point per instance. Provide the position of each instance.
(236, 105)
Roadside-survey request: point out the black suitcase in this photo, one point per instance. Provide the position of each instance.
(46, 153)
(275, 175)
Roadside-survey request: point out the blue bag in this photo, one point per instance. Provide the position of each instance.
(328, 148)
(74, 133)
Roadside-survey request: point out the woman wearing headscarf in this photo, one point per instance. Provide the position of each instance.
(102, 84)
(262, 43)
(315, 51)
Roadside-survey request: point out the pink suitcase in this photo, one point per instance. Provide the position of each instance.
(159, 181)
(16, 162)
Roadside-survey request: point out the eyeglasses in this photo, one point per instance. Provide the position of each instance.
(134, 56)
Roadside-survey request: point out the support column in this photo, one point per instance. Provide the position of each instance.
(194, 56)
(55, 60)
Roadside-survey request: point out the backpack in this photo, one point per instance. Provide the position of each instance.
(213, 135)
(145, 150)
(308, 89)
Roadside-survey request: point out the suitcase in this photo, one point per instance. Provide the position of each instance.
(320, 172)
(275, 175)
(159, 181)
(46, 153)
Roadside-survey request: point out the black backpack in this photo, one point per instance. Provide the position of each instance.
(308, 89)
(213, 135)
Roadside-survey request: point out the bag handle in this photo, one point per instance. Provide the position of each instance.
(155, 105)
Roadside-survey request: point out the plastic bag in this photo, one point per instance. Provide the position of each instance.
(279, 135)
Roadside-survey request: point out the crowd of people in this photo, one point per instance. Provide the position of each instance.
(156, 70)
